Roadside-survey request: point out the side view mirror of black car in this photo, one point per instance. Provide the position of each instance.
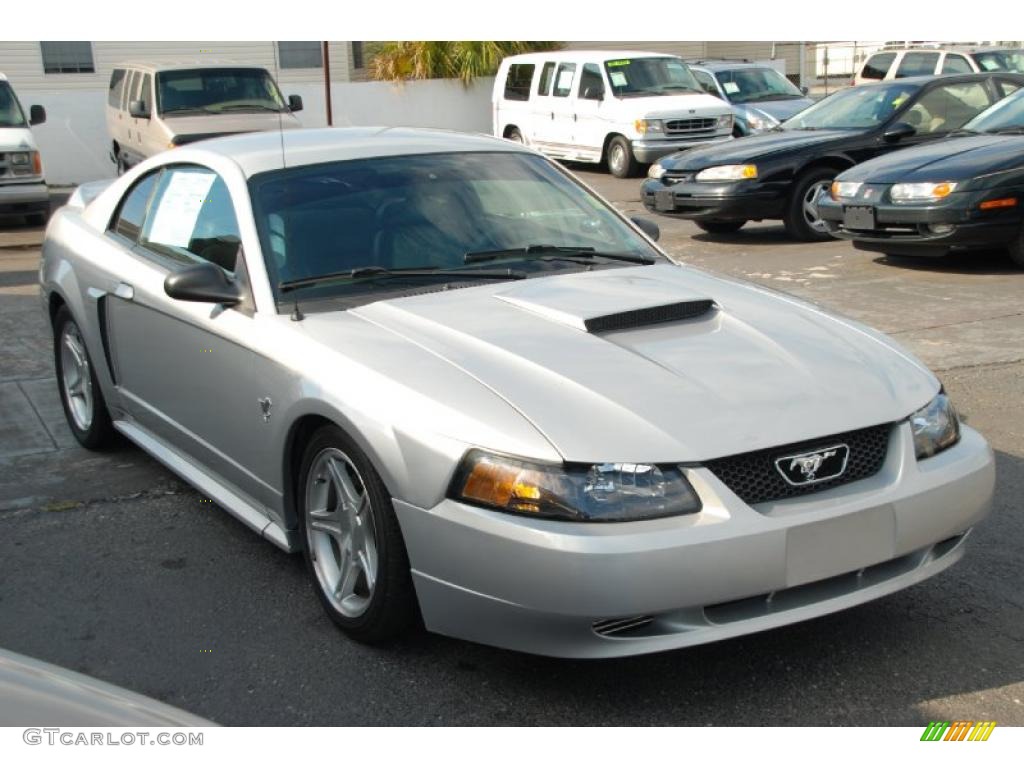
(138, 108)
(899, 131)
(804, 90)
(295, 103)
(203, 282)
(648, 227)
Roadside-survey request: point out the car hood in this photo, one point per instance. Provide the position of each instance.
(956, 159)
(663, 107)
(781, 109)
(758, 369)
(749, 148)
(233, 122)
(16, 140)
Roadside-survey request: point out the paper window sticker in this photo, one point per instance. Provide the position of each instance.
(180, 204)
(730, 88)
(618, 79)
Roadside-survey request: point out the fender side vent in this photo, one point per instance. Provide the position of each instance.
(638, 318)
(612, 627)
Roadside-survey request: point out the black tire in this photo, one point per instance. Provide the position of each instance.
(721, 227)
(515, 135)
(391, 610)
(622, 163)
(1016, 249)
(797, 219)
(99, 432)
(122, 164)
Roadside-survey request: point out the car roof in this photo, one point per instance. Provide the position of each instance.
(3, 76)
(967, 77)
(716, 65)
(580, 55)
(164, 66)
(273, 150)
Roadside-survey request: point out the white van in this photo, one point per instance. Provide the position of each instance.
(153, 107)
(22, 187)
(620, 107)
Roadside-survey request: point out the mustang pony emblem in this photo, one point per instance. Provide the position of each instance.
(814, 466)
(265, 405)
(809, 465)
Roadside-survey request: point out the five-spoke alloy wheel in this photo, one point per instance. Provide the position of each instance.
(80, 393)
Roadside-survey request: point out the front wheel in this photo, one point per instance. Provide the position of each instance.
(803, 219)
(721, 227)
(621, 162)
(353, 546)
(80, 393)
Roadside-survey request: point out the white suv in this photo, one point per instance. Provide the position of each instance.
(890, 64)
(22, 187)
(625, 108)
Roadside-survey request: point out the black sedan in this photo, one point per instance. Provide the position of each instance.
(965, 193)
(782, 174)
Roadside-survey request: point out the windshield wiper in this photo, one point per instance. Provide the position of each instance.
(582, 253)
(376, 271)
(186, 110)
(961, 132)
(239, 107)
(1009, 129)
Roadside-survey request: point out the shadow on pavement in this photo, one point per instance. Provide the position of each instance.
(995, 262)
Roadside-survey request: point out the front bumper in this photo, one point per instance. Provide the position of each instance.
(24, 197)
(907, 230)
(726, 201)
(604, 590)
(652, 150)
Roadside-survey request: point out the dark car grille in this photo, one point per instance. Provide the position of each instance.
(691, 125)
(755, 478)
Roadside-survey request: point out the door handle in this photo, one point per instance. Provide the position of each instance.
(552, 115)
(124, 291)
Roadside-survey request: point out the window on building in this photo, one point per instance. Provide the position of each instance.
(358, 62)
(295, 54)
(67, 57)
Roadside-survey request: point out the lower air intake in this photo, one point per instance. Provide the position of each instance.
(638, 318)
(613, 627)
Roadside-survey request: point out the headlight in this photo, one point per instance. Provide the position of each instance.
(20, 158)
(655, 171)
(936, 427)
(649, 126)
(725, 121)
(602, 492)
(845, 189)
(760, 121)
(728, 173)
(921, 193)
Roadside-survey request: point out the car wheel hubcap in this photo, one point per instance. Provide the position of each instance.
(618, 158)
(76, 377)
(340, 533)
(810, 205)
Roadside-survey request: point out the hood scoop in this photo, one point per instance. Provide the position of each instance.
(605, 302)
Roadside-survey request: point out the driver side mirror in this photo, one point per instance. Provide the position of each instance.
(295, 103)
(203, 282)
(593, 92)
(898, 131)
(138, 108)
(648, 227)
(804, 90)
(36, 115)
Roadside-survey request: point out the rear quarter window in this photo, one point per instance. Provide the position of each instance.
(517, 82)
(877, 66)
(116, 88)
(916, 64)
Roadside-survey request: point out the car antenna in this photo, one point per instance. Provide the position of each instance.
(297, 313)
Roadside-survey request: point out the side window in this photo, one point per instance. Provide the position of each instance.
(132, 212)
(116, 88)
(916, 63)
(192, 219)
(947, 107)
(129, 89)
(1007, 87)
(547, 75)
(563, 81)
(591, 85)
(144, 93)
(955, 64)
(707, 82)
(877, 66)
(517, 83)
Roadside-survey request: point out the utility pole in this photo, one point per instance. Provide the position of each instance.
(327, 81)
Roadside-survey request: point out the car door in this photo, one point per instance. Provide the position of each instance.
(541, 112)
(184, 370)
(558, 133)
(588, 110)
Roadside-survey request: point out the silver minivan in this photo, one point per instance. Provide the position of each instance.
(153, 107)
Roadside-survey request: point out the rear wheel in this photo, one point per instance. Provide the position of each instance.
(720, 227)
(803, 220)
(80, 393)
(621, 162)
(353, 546)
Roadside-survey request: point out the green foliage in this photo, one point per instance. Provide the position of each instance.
(462, 59)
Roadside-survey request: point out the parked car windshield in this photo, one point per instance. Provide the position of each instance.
(853, 108)
(232, 89)
(750, 84)
(660, 76)
(428, 212)
(1001, 61)
(1003, 115)
(11, 115)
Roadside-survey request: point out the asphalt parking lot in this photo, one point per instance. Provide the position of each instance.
(111, 566)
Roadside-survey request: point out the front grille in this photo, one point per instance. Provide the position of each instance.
(754, 477)
(690, 125)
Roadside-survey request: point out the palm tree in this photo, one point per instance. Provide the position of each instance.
(462, 59)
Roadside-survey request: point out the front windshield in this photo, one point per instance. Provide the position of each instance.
(11, 115)
(853, 108)
(661, 76)
(232, 89)
(750, 84)
(1003, 115)
(1001, 61)
(428, 212)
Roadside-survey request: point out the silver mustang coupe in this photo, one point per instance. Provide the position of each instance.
(474, 394)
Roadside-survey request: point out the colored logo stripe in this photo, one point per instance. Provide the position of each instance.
(958, 730)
